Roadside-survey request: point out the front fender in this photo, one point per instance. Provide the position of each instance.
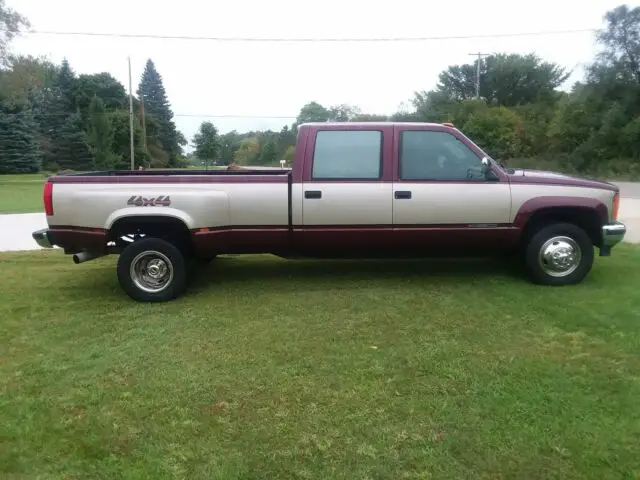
(538, 204)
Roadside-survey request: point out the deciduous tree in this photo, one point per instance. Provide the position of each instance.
(621, 40)
(505, 80)
(207, 143)
(269, 154)
(11, 23)
(248, 151)
(313, 112)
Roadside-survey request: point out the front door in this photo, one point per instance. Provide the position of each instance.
(440, 193)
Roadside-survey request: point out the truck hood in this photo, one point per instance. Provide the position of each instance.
(522, 175)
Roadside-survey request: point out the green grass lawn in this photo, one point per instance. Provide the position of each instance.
(274, 369)
(21, 193)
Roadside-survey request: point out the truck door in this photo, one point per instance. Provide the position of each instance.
(347, 188)
(440, 193)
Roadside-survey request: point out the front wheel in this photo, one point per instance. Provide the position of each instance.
(559, 254)
(152, 270)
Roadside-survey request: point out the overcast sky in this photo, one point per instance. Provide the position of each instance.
(275, 79)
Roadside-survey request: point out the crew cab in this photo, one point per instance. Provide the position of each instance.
(354, 190)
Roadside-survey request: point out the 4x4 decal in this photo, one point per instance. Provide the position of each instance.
(138, 201)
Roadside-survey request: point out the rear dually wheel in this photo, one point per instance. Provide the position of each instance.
(152, 270)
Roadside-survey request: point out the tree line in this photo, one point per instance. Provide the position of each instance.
(522, 117)
(51, 118)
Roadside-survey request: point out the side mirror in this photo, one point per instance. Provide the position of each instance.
(487, 172)
(486, 165)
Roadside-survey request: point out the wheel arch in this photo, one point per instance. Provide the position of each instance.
(166, 227)
(587, 213)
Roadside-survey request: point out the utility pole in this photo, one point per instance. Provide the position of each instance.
(479, 55)
(133, 163)
(144, 127)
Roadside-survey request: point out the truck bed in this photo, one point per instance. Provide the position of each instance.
(182, 172)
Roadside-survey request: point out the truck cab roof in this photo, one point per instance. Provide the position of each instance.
(374, 124)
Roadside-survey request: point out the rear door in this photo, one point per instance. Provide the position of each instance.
(347, 187)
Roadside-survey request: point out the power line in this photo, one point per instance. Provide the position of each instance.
(36, 115)
(309, 39)
(196, 115)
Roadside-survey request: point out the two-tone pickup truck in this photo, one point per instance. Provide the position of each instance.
(354, 190)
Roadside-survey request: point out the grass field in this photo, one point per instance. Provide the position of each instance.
(274, 369)
(21, 193)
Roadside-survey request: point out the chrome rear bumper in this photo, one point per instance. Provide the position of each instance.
(42, 238)
(612, 234)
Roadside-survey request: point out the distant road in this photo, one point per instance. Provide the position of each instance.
(15, 230)
(629, 189)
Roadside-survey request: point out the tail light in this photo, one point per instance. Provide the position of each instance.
(616, 205)
(47, 197)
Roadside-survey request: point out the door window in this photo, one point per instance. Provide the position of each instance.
(347, 154)
(432, 155)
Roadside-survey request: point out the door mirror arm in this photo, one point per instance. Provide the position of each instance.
(487, 171)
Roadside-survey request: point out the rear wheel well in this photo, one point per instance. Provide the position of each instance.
(170, 229)
(586, 218)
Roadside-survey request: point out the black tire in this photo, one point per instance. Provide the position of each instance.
(566, 234)
(154, 249)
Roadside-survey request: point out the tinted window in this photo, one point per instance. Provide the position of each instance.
(428, 155)
(347, 154)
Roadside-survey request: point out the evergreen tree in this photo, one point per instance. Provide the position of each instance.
(19, 151)
(56, 107)
(100, 136)
(71, 150)
(151, 91)
(65, 85)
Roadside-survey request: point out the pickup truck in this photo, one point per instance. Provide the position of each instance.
(354, 190)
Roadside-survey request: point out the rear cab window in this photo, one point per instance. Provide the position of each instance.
(347, 155)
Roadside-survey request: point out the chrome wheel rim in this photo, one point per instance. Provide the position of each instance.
(559, 256)
(151, 271)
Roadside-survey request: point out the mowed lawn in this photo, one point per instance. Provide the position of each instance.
(21, 193)
(274, 369)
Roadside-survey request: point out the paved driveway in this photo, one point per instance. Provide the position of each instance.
(630, 209)
(630, 215)
(15, 231)
(629, 189)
